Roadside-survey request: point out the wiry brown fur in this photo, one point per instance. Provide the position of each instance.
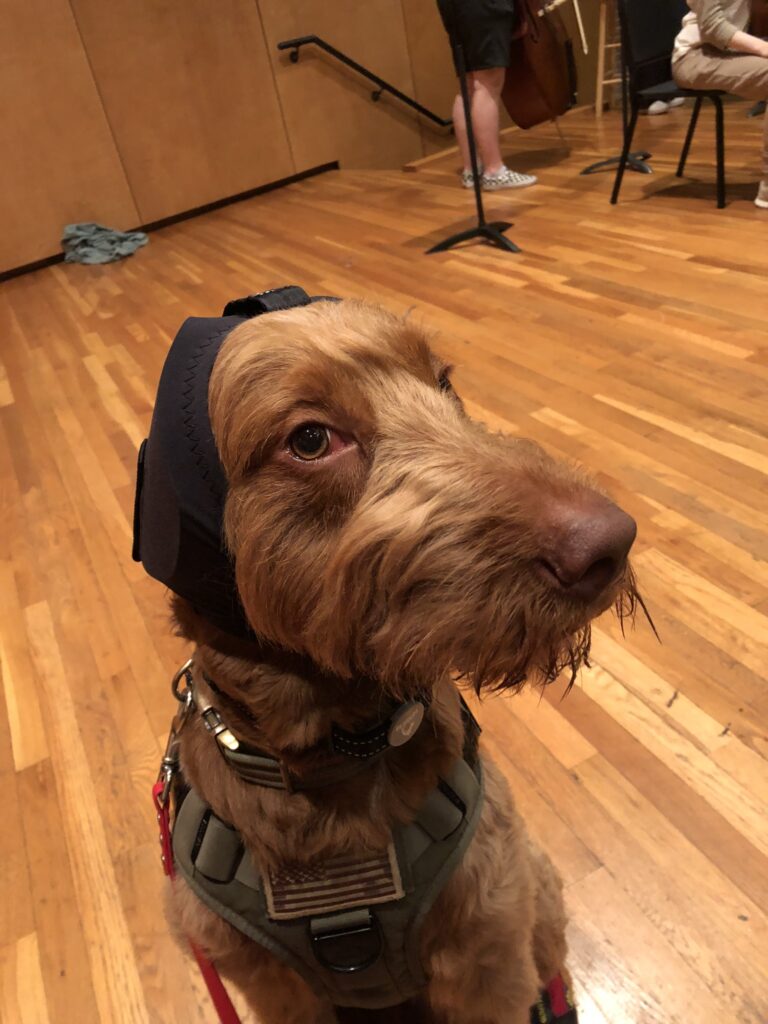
(393, 566)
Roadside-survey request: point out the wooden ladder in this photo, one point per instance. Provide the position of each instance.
(608, 24)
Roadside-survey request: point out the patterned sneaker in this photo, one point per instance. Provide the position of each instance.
(761, 199)
(468, 178)
(507, 179)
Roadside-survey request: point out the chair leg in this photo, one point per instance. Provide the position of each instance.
(628, 135)
(720, 143)
(689, 136)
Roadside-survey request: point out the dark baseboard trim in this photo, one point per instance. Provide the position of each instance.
(27, 268)
(166, 221)
(249, 194)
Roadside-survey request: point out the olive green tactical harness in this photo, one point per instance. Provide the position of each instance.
(350, 926)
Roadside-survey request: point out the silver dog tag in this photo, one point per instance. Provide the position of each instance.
(405, 721)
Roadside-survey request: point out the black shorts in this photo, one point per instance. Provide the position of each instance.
(483, 27)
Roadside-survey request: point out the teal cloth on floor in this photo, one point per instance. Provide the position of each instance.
(93, 243)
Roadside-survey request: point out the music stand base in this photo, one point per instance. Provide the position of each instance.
(492, 233)
(635, 162)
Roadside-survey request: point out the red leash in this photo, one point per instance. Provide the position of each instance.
(219, 996)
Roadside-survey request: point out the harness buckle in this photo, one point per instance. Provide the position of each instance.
(214, 723)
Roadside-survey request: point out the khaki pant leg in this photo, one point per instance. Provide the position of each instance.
(742, 74)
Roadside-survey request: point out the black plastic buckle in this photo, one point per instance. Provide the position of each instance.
(354, 946)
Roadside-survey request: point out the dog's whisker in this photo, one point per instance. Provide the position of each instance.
(647, 614)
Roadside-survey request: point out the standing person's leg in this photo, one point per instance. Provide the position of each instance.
(484, 29)
(458, 18)
(486, 100)
(486, 93)
(460, 126)
(741, 74)
(484, 88)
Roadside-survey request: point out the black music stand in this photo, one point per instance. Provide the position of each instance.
(635, 161)
(493, 232)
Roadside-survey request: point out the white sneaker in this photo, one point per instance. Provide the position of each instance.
(761, 199)
(468, 178)
(662, 106)
(507, 179)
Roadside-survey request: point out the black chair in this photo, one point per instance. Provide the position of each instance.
(648, 30)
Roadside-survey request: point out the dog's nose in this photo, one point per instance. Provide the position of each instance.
(587, 547)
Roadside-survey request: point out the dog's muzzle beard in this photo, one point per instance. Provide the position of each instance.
(494, 645)
(409, 609)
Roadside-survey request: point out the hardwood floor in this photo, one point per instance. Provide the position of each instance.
(632, 339)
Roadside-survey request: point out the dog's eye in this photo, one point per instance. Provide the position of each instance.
(309, 441)
(444, 381)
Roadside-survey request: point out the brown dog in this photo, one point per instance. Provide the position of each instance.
(386, 545)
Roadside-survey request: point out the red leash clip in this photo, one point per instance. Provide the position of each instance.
(164, 822)
(161, 798)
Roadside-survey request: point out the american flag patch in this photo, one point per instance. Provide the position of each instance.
(340, 883)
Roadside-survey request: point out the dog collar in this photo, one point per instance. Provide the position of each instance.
(259, 768)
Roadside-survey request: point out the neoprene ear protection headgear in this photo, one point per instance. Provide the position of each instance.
(180, 482)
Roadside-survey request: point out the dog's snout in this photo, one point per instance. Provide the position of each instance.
(587, 547)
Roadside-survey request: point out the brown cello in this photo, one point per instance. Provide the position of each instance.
(540, 83)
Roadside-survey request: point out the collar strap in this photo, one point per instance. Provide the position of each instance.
(259, 768)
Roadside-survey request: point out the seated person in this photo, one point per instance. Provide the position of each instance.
(484, 28)
(714, 51)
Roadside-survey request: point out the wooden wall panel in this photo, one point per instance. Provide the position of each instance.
(189, 92)
(433, 75)
(327, 107)
(59, 162)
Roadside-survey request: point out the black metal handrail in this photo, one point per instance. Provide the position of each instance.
(294, 45)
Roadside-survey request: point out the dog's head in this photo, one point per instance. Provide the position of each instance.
(380, 531)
